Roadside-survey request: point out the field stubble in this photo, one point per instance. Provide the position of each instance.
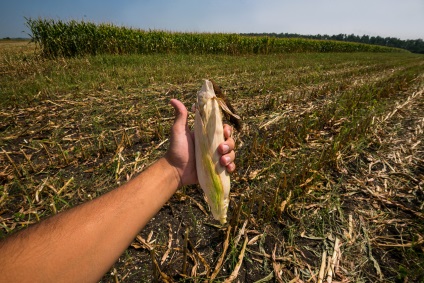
(329, 179)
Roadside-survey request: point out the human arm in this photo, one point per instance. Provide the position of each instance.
(82, 243)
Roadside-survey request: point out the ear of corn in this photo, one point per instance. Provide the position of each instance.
(208, 131)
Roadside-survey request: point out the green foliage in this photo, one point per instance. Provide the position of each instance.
(412, 45)
(77, 38)
(311, 120)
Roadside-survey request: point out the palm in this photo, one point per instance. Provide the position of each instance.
(181, 153)
(181, 150)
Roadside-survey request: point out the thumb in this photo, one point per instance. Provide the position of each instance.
(180, 114)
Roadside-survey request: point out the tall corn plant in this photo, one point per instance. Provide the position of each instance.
(78, 38)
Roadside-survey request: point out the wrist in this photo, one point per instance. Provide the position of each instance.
(174, 174)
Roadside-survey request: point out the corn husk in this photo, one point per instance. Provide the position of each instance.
(208, 130)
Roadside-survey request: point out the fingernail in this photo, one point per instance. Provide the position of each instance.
(227, 159)
(225, 148)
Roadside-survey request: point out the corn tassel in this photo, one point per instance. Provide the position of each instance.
(208, 131)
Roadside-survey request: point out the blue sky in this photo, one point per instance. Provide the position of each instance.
(388, 18)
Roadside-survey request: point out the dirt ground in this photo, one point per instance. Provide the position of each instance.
(79, 127)
(381, 194)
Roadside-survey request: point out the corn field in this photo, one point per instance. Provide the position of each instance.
(329, 180)
(78, 38)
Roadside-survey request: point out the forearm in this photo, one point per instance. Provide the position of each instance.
(82, 243)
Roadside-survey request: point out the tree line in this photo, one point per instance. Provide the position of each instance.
(412, 45)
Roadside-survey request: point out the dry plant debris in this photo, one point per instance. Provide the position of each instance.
(329, 185)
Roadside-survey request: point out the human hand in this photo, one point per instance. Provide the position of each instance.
(181, 154)
(227, 150)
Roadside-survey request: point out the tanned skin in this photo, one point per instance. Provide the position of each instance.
(82, 243)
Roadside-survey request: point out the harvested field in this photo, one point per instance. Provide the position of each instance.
(330, 173)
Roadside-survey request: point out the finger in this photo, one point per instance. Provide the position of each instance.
(230, 167)
(228, 130)
(227, 159)
(180, 114)
(226, 146)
